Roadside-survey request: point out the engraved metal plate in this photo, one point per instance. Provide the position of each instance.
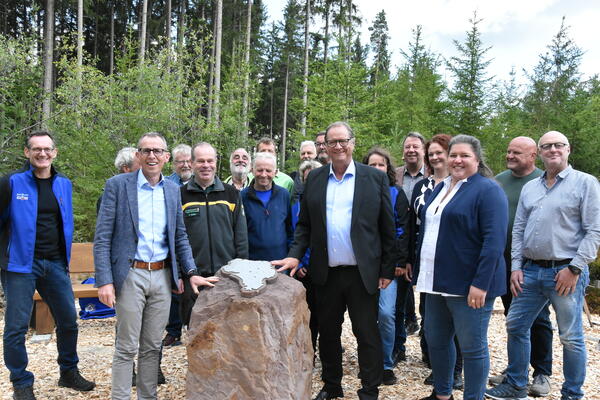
(252, 276)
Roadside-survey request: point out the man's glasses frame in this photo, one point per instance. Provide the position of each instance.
(557, 146)
(342, 142)
(157, 152)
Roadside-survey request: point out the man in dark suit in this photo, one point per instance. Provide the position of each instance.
(347, 221)
(140, 239)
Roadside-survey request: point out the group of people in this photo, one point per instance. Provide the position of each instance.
(360, 237)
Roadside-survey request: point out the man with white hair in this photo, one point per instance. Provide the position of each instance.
(125, 161)
(556, 233)
(308, 151)
(268, 212)
(239, 165)
(182, 164)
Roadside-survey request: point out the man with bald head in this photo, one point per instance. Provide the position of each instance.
(556, 233)
(520, 161)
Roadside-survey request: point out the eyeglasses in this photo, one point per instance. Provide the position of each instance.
(181, 162)
(40, 150)
(342, 142)
(157, 152)
(320, 144)
(557, 146)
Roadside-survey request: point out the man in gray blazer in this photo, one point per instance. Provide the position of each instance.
(140, 239)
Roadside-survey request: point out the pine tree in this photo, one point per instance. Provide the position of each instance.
(468, 95)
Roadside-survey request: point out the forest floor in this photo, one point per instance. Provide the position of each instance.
(96, 339)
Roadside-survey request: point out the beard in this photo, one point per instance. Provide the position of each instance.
(240, 170)
(185, 175)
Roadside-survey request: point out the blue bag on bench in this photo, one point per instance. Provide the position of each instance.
(92, 308)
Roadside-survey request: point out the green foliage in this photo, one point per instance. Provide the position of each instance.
(20, 97)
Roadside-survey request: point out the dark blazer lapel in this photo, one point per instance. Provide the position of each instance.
(133, 200)
(359, 182)
(321, 189)
(169, 208)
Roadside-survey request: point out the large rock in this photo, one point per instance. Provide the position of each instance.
(253, 348)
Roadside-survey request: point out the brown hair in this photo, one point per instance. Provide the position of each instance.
(443, 140)
(391, 171)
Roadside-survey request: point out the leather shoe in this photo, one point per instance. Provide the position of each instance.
(23, 393)
(323, 395)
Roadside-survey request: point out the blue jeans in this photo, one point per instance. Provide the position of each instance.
(539, 288)
(51, 279)
(400, 332)
(449, 316)
(387, 322)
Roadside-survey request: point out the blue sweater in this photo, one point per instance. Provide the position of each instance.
(269, 228)
(472, 236)
(18, 217)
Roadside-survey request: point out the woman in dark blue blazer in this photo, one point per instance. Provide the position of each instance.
(460, 265)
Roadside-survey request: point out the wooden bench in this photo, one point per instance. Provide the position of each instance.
(82, 262)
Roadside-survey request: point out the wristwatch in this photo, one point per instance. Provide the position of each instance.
(574, 270)
(192, 272)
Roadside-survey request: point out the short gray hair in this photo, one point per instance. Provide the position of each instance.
(153, 135)
(337, 125)
(475, 144)
(239, 148)
(308, 164)
(125, 158)
(308, 143)
(181, 149)
(203, 144)
(263, 155)
(414, 134)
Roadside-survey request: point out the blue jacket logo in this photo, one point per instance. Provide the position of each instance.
(22, 196)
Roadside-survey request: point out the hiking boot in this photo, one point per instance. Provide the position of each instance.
(171, 340)
(388, 377)
(73, 379)
(412, 328)
(506, 391)
(540, 387)
(433, 396)
(497, 379)
(23, 393)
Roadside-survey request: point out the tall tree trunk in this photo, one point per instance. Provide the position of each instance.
(326, 39)
(181, 25)
(285, 105)
(211, 75)
(247, 70)
(168, 25)
(79, 45)
(48, 58)
(111, 56)
(305, 77)
(217, 89)
(143, 31)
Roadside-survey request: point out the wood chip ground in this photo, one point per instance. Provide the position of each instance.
(96, 339)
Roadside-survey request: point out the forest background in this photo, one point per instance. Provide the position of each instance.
(99, 73)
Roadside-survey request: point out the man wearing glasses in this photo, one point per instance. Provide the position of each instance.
(556, 233)
(347, 221)
(36, 231)
(140, 240)
(322, 155)
(182, 164)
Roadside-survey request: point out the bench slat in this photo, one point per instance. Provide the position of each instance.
(80, 290)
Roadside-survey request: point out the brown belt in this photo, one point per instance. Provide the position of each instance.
(150, 266)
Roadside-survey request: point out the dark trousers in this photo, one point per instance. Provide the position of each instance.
(174, 324)
(311, 302)
(405, 312)
(344, 288)
(51, 279)
(541, 338)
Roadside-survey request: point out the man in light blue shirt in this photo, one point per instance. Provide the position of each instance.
(556, 233)
(140, 240)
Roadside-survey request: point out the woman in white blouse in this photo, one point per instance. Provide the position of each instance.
(460, 266)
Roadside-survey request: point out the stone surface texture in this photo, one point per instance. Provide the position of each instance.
(250, 347)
